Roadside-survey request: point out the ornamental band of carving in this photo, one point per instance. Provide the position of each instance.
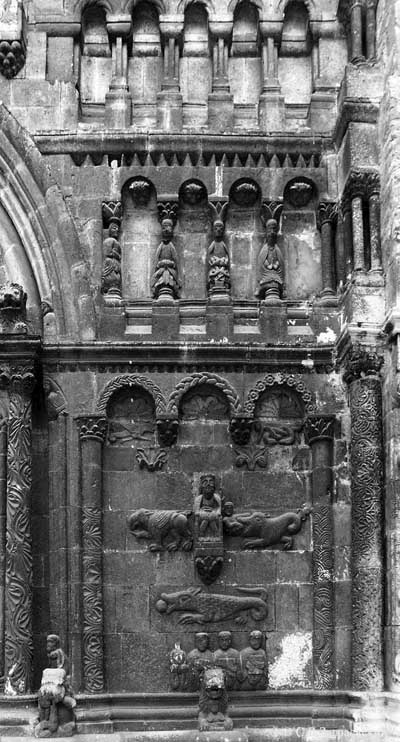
(18, 599)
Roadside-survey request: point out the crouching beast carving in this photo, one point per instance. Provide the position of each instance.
(213, 701)
(259, 530)
(164, 529)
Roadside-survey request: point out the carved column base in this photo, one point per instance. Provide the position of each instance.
(220, 111)
(169, 110)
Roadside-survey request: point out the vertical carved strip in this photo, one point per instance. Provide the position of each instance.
(18, 640)
(319, 434)
(3, 501)
(92, 432)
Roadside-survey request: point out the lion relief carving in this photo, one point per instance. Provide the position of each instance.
(213, 701)
(164, 529)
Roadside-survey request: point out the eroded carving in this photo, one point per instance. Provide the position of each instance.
(219, 279)
(361, 362)
(55, 700)
(179, 668)
(164, 529)
(165, 283)
(111, 274)
(202, 607)
(213, 702)
(92, 595)
(151, 460)
(12, 308)
(259, 530)
(254, 663)
(270, 267)
(199, 659)
(228, 659)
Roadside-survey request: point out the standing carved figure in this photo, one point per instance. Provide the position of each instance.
(254, 664)
(199, 658)
(228, 659)
(270, 267)
(55, 698)
(165, 284)
(219, 279)
(111, 275)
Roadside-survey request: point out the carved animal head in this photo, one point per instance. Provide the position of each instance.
(304, 511)
(139, 519)
(184, 600)
(212, 688)
(12, 296)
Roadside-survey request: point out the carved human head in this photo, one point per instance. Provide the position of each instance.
(207, 484)
(201, 640)
(256, 639)
(271, 231)
(113, 229)
(225, 640)
(52, 642)
(228, 509)
(167, 229)
(218, 228)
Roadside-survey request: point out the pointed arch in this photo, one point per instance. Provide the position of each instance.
(48, 255)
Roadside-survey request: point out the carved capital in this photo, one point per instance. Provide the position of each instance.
(19, 379)
(111, 212)
(319, 427)
(373, 184)
(272, 210)
(327, 212)
(356, 186)
(92, 426)
(12, 57)
(361, 362)
(167, 429)
(240, 429)
(168, 210)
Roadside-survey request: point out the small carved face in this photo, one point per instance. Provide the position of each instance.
(219, 229)
(228, 509)
(52, 643)
(271, 231)
(201, 641)
(225, 640)
(255, 639)
(208, 485)
(113, 230)
(167, 229)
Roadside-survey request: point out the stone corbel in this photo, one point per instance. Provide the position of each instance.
(240, 428)
(12, 40)
(167, 430)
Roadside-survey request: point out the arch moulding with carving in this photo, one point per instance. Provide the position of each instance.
(125, 381)
(291, 381)
(197, 379)
(50, 254)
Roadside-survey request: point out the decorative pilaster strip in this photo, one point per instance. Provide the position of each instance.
(362, 369)
(92, 430)
(18, 589)
(319, 432)
(3, 508)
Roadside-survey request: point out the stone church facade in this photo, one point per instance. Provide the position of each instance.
(199, 400)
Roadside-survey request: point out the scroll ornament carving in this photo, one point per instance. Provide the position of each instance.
(18, 637)
(324, 668)
(12, 308)
(259, 530)
(202, 607)
(361, 362)
(111, 274)
(92, 599)
(164, 529)
(92, 426)
(12, 57)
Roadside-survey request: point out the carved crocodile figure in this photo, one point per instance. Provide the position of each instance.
(201, 607)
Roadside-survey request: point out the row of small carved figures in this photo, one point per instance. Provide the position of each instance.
(170, 529)
(244, 669)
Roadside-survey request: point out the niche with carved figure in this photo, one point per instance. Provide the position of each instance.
(301, 240)
(244, 236)
(131, 418)
(295, 63)
(140, 237)
(245, 64)
(195, 66)
(96, 63)
(145, 64)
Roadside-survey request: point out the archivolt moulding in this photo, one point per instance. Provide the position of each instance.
(292, 381)
(124, 381)
(189, 382)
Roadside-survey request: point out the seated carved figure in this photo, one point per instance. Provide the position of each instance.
(254, 664)
(207, 508)
(55, 699)
(213, 702)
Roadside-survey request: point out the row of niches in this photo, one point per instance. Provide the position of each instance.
(238, 248)
(198, 72)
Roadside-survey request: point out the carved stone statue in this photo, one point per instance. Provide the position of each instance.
(165, 529)
(111, 275)
(228, 659)
(55, 699)
(259, 530)
(207, 508)
(179, 668)
(199, 659)
(254, 664)
(165, 284)
(270, 267)
(12, 308)
(213, 702)
(219, 281)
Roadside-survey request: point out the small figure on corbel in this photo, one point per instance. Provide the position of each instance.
(270, 264)
(55, 699)
(179, 668)
(254, 663)
(165, 283)
(218, 262)
(111, 274)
